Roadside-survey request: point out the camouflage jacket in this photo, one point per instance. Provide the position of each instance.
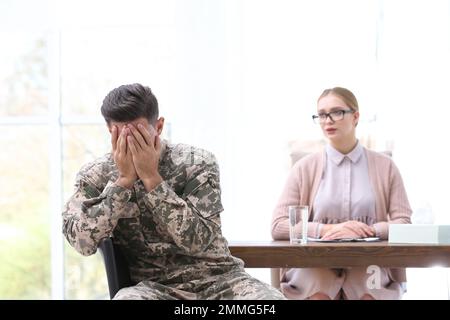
(169, 235)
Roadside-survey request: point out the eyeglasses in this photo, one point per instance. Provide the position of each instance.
(334, 116)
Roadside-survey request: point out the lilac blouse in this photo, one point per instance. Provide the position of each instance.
(345, 192)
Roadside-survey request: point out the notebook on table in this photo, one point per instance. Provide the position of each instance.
(370, 239)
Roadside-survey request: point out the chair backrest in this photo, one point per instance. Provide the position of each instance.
(300, 148)
(116, 266)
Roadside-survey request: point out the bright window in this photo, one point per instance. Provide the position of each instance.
(237, 77)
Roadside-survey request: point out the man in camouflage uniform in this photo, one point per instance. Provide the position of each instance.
(161, 203)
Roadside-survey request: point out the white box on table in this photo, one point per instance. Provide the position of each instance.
(419, 233)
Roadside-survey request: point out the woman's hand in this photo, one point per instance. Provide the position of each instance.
(348, 229)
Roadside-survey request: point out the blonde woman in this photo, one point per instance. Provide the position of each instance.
(351, 192)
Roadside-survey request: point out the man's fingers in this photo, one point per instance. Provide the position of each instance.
(132, 145)
(146, 135)
(138, 138)
(118, 141)
(114, 137)
(122, 142)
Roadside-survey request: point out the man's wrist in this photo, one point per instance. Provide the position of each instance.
(125, 182)
(151, 182)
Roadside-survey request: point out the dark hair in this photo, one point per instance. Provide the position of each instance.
(346, 95)
(130, 102)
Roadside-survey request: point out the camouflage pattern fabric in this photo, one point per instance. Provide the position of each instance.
(231, 285)
(171, 236)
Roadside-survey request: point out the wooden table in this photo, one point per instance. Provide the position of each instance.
(276, 254)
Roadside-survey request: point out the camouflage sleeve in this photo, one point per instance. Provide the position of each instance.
(192, 220)
(91, 215)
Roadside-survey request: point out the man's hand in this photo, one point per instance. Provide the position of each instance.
(348, 229)
(123, 158)
(145, 148)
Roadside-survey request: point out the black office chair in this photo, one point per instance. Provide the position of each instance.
(116, 266)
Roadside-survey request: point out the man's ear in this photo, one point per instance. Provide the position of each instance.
(159, 125)
(109, 127)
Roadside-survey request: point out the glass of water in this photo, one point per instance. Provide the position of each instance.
(298, 224)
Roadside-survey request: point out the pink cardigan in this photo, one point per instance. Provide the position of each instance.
(391, 201)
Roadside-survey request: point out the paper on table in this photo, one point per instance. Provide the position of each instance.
(371, 239)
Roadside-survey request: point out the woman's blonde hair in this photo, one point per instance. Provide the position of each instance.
(346, 95)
